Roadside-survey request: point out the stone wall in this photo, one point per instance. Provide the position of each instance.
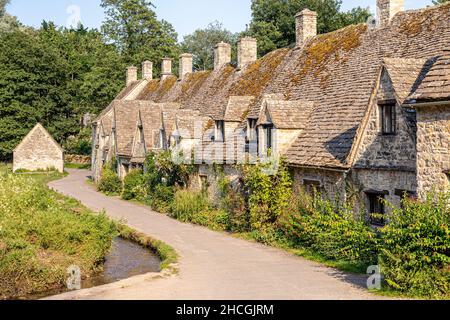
(392, 183)
(77, 159)
(207, 172)
(387, 151)
(433, 148)
(332, 183)
(38, 151)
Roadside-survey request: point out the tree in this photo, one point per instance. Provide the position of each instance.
(201, 44)
(273, 21)
(7, 22)
(53, 76)
(132, 26)
(3, 4)
(436, 2)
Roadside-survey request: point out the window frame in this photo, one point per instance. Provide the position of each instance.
(383, 107)
(312, 187)
(376, 198)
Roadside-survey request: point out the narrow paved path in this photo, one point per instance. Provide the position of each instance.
(212, 265)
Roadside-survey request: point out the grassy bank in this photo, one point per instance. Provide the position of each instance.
(43, 233)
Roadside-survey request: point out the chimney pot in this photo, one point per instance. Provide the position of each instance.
(166, 68)
(222, 55)
(247, 51)
(147, 70)
(387, 9)
(186, 64)
(131, 75)
(306, 26)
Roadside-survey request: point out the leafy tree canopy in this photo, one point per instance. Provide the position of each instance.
(201, 44)
(273, 22)
(132, 26)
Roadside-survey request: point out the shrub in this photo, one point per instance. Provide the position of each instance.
(268, 193)
(332, 231)
(80, 144)
(186, 205)
(134, 186)
(161, 198)
(233, 202)
(415, 255)
(109, 182)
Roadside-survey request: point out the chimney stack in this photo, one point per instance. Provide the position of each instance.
(147, 70)
(247, 51)
(306, 26)
(222, 55)
(387, 9)
(166, 68)
(131, 75)
(186, 64)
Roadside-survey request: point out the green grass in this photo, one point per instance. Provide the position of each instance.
(42, 233)
(77, 166)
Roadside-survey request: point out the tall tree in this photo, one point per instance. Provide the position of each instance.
(436, 2)
(201, 44)
(3, 4)
(53, 76)
(273, 21)
(132, 26)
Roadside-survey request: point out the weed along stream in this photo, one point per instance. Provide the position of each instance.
(126, 259)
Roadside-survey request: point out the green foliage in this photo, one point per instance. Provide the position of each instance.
(161, 169)
(233, 202)
(109, 182)
(268, 194)
(3, 4)
(53, 76)
(273, 22)
(81, 144)
(132, 26)
(201, 44)
(333, 231)
(415, 251)
(436, 2)
(42, 233)
(187, 205)
(134, 186)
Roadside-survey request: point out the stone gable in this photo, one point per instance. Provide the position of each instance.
(38, 151)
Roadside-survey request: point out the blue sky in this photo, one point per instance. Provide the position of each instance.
(185, 15)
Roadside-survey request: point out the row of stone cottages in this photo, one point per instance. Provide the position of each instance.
(361, 112)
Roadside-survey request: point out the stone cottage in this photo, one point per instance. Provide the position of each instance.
(362, 112)
(38, 151)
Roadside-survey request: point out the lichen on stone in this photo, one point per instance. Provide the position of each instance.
(258, 74)
(325, 48)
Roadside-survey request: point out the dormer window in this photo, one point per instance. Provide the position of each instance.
(220, 131)
(388, 118)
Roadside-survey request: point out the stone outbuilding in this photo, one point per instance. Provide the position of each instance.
(38, 151)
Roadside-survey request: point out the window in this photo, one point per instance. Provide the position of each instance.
(312, 187)
(268, 129)
(220, 131)
(376, 207)
(388, 121)
(404, 195)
